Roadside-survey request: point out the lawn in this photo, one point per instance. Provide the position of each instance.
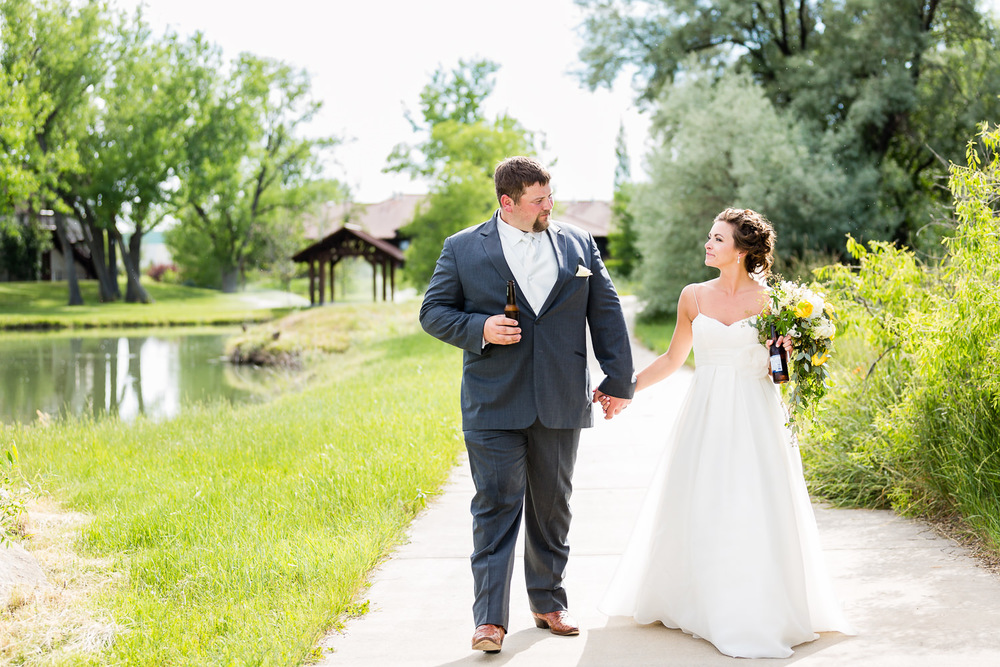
(241, 535)
(43, 305)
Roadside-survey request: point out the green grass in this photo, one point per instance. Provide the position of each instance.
(655, 334)
(42, 305)
(243, 534)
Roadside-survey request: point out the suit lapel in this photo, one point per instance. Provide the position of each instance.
(493, 249)
(564, 272)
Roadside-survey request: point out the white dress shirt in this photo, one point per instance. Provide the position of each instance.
(535, 269)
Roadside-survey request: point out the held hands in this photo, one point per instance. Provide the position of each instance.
(501, 330)
(612, 406)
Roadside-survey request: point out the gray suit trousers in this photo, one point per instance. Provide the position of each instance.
(530, 472)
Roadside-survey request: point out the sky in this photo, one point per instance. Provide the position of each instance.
(369, 59)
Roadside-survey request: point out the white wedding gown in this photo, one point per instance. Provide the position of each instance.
(726, 546)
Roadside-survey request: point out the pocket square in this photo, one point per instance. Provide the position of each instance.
(583, 272)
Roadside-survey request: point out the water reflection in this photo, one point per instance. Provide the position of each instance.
(123, 375)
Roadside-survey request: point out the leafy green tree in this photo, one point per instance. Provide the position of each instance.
(17, 182)
(52, 56)
(288, 232)
(722, 143)
(459, 153)
(623, 241)
(132, 154)
(244, 165)
(885, 87)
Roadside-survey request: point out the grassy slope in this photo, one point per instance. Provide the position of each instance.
(243, 533)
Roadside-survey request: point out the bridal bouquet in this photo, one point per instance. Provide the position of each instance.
(797, 311)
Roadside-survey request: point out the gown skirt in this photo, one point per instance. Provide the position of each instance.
(725, 546)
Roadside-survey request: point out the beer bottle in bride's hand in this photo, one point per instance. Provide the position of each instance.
(779, 359)
(511, 310)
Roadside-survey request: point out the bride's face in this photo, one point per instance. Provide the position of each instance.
(720, 249)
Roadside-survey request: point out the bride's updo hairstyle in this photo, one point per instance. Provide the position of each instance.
(753, 235)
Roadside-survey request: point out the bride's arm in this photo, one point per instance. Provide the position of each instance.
(680, 344)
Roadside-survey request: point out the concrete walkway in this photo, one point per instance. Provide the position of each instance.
(916, 599)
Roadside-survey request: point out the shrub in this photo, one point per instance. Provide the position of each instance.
(915, 419)
(166, 273)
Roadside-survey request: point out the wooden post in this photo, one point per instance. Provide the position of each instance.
(322, 281)
(385, 276)
(333, 266)
(312, 282)
(392, 279)
(374, 280)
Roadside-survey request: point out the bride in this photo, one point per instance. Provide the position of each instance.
(726, 547)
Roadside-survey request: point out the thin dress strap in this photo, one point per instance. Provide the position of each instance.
(694, 290)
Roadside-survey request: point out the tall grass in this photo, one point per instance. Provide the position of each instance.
(243, 534)
(915, 425)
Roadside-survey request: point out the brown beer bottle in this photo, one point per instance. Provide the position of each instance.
(779, 359)
(511, 310)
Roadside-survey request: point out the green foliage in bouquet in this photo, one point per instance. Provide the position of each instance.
(804, 314)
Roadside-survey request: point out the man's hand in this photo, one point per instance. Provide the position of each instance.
(501, 330)
(612, 406)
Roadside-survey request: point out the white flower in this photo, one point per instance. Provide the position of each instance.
(817, 304)
(825, 329)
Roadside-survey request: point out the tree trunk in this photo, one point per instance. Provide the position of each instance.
(113, 264)
(230, 280)
(75, 298)
(134, 291)
(94, 236)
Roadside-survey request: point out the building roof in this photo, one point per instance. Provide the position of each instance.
(379, 220)
(383, 219)
(349, 241)
(591, 216)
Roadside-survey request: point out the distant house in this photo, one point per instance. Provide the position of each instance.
(384, 219)
(54, 262)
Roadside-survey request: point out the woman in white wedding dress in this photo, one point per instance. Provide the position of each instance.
(726, 547)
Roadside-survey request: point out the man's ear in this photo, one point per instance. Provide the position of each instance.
(506, 203)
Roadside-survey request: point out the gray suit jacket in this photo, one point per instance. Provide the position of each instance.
(545, 375)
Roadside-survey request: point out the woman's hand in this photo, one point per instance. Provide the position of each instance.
(783, 341)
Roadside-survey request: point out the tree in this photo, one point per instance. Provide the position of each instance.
(243, 166)
(52, 57)
(722, 143)
(132, 153)
(460, 150)
(622, 239)
(17, 182)
(884, 85)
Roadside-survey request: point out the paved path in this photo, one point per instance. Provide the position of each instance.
(916, 599)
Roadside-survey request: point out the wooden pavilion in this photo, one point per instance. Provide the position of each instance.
(350, 241)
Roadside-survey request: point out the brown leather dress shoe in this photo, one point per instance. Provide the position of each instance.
(558, 623)
(488, 638)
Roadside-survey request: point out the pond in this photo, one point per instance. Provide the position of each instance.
(152, 373)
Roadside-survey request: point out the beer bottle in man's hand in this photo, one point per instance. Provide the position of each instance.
(779, 359)
(511, 310)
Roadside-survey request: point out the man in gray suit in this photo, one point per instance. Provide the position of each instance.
(526, 386)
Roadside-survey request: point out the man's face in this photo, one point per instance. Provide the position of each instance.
(532, 211)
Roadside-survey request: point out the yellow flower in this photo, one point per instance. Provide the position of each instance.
(803, 309)
(819, 361)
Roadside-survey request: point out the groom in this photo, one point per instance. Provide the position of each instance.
(525, 386)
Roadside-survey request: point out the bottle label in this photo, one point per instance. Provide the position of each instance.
(776, 365)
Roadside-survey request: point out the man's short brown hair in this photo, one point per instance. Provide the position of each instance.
(516, 174)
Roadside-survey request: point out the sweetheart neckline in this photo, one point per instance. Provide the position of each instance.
(721, 322)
